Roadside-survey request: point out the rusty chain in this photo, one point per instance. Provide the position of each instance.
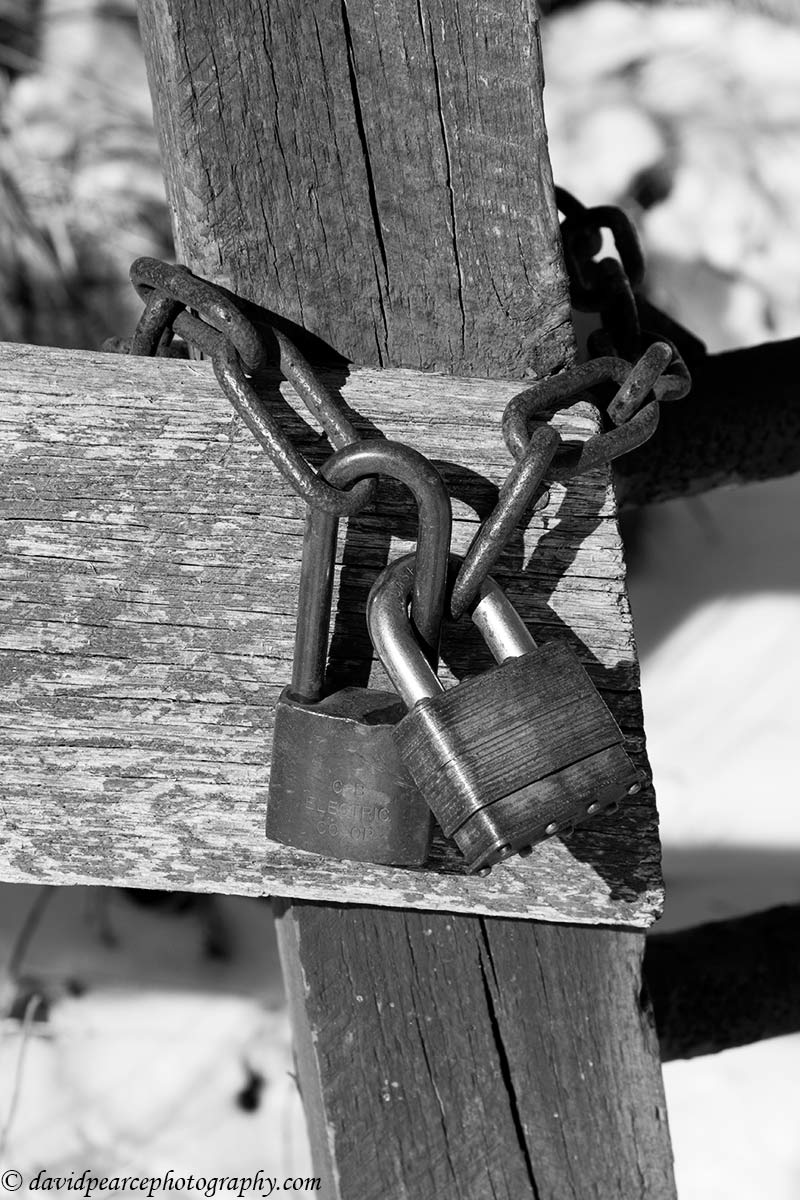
(638, 351)
(217, 326)
(637, 361)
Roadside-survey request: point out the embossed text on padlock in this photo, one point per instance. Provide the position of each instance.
(509, 757)
(337, 785)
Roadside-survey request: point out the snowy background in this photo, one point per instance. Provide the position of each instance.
(159, 1038)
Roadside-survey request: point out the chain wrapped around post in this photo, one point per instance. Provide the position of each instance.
(220, 330)
(211, 319)
(644, 367)
(638, 350)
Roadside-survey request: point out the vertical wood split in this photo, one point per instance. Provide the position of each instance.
(382, 182)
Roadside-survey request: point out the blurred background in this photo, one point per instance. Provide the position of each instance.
(141, 1032)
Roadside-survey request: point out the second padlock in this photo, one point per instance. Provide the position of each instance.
(338, 786)
(523, 751)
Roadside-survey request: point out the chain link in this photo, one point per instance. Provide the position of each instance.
(646, 368)
(638, 352)
(218, 328)
(513, 503)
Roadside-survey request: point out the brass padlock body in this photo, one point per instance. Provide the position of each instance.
(516, 754)
(338, 786)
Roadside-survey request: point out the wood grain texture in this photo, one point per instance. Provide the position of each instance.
(150, 568)
(503, 1077)
(372, 171)
(414, 128)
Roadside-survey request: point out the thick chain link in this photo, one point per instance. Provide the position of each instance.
(644, 366)
(218, 327)
(637, 362)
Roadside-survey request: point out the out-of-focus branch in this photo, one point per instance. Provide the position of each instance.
(739, 424)
(781, 10)
(725, 984)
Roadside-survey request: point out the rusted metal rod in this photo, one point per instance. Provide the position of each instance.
(739, 424)
(725, 984)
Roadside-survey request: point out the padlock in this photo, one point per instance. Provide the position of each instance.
(337, 784)
(509, 757)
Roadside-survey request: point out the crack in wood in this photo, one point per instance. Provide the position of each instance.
(383, 353)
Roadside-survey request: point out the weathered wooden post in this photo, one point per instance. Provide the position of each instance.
(379, 174)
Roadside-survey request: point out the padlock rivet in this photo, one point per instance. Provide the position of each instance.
(592, 809)
(551, 828)
(505, 851)
(525, 851)
(634, 788)
(483, 871)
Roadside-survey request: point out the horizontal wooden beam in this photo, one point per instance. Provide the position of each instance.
(725, 984)
(150, 568)
(739, 424)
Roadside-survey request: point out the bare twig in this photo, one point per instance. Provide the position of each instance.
(27, 1022)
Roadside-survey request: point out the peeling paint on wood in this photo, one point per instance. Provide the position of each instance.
(150, 567)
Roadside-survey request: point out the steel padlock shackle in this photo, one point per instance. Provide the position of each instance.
(509, 757)
(428, 572)
(413, 678)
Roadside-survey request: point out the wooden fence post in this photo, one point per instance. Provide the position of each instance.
(378, 173)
